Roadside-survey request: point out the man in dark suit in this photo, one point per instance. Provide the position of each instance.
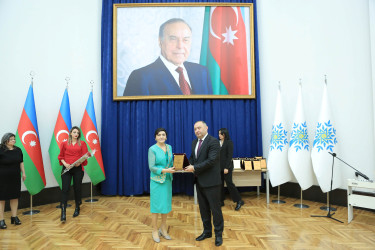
(205, 163)
(170, 74)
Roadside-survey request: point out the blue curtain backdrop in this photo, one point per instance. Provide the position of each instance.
(128, 126)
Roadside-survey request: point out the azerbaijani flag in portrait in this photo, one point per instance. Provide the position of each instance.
(226, 50)
(60, 134)
(89, 134)
(27, 138)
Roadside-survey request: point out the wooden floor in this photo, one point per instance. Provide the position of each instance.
(125, 222)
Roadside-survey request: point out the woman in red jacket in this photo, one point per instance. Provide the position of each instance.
(70, 152)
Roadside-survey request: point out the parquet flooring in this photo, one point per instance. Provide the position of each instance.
(125, 222)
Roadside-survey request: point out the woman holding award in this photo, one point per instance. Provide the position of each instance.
(160, 164)
(71, 151)
(226, 165)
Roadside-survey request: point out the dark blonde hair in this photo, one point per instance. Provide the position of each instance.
(70, 136)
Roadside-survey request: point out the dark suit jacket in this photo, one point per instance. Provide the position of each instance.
(155, 79)
(226, 155)
(207, 164)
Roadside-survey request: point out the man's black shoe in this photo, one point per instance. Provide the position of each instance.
(239, 205)
(203, 236)
(218, 241)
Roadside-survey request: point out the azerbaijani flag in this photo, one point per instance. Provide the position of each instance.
(225, 50)
(94, 167)
(27, 138)
(60, 134)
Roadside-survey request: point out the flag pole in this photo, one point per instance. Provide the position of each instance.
(326, 208)
(329, 215)
(278, 197)
(91, 200)
(67, 79)
(278, 201)
(301, 205)
(32, 74)
(31, 211)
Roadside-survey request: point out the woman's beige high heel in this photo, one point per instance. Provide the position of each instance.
(156, 238)
(166, 236)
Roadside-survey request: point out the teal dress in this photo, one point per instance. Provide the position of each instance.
(160, 183)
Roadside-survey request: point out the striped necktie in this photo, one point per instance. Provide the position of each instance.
(184, 85)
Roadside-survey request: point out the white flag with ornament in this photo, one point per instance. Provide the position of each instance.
(278, 152)
(324, 142)
(299, 150)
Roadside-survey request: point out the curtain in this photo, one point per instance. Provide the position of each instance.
(128, 126)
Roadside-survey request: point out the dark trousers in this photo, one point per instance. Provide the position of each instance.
(209, 203)
(234, 194)
(77, 174)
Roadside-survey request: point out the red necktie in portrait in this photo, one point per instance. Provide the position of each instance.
(199, 146)
(184, 85)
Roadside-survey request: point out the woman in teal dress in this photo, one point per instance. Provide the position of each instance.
(160, 162)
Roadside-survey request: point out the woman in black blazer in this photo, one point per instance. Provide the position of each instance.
(226, 165)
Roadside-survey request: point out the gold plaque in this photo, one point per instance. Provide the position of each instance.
(180, 161)
(248, 165)
(256, 164)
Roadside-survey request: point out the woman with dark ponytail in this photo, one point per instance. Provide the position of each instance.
(226, 165)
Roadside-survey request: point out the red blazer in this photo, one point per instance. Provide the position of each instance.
(71, 153)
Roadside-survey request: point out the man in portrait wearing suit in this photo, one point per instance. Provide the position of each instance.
(170, 74)
(205, 163)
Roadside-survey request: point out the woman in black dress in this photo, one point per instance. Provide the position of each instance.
(11, 166)
(226, 165)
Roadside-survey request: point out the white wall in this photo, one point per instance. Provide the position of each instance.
(297, 39)
(372, 38)
(310, 39)
(55, 39)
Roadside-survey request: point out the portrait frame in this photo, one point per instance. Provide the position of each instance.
(127, 42)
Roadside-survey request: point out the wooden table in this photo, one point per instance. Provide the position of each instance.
(249, 178)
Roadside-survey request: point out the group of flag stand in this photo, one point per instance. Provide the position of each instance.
(293, 155)
(27, 139)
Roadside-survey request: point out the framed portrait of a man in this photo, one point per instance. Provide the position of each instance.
(183, 51)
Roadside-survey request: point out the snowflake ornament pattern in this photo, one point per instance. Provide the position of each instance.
(278, 137)
(325, 136)
(299, 139)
